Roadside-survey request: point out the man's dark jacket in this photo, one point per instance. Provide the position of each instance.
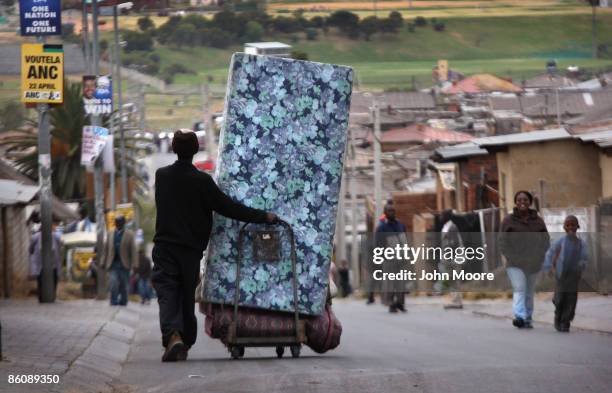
(185, 200)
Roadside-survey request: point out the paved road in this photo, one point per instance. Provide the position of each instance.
(426, 350)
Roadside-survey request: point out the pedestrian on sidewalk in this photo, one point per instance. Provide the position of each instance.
(566, 259)
(185, 199)
(389, 233)
(523, 242)
(120, 256)
(450, 237)
(35, 251)
(144, 277)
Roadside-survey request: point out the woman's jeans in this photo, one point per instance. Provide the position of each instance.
(119, 282)
(523, 289)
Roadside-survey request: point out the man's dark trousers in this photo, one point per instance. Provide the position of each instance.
(175, 277)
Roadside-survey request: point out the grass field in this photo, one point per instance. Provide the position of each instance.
(511, 46)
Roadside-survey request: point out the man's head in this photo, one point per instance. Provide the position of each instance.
(390, 212)
(89, 86)
(185, 144)
(570, 225)
(119, 222)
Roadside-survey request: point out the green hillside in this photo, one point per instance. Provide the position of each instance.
(512, 46)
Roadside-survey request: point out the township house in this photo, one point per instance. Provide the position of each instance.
(562, 168)
(18, 196)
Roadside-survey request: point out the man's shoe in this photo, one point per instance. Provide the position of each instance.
(392, 309)
(518, 322)
(565, 328)
(400, 307)
(528, 325)
(182, 356)
(174, 348)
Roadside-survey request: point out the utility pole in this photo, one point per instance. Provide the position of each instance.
(98, 167)
(117, 58)
(341, 224)
(378, 209)
(86, 43)
(142, 108)
(45, 195)
(594, 4)
(354, 245)
(558, 108)
(208, 124)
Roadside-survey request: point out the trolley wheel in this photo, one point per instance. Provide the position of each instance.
(237, 351)
(295, 350)
(280, 350)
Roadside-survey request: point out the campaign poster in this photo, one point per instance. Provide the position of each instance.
(42, 73)
(40, 17)
(98, 94)
(92, 144)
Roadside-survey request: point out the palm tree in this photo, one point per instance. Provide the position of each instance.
(67, 121)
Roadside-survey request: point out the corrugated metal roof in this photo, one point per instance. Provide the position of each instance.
(461, 150)
(13, 192)
(524, 137)
(601, 138)
(362, 101)
(267, 45)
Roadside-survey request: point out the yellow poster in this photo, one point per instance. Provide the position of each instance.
(442, 70)
(42, 73)
(125, 209)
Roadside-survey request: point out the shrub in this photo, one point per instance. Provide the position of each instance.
(420, 21)
(298, 55)
(137, 41)
(311, 34)
(218, 38)
(253, 32)
(369, 26)
(346, 21)
(145, 23)
(439, 26)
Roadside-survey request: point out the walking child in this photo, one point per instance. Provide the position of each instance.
(566, 258)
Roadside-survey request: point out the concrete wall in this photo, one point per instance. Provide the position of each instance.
(568, 170)
(605, 164)
(470, 173)
(408, 204)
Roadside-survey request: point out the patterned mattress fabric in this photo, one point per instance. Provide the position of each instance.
(281, 149)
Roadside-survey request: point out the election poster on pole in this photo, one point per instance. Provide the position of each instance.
(92, 144)
(40, 17)
(42, 73)
(97, 94)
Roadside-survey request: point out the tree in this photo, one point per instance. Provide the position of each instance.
(137, 41)
(420, 21)
(67, 121)
(369, 26)
(284, 24)
(253, 32)
(345, 21)
(145, 23)
(12, 116)
(185, 34)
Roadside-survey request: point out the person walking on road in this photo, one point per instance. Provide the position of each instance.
(119, 258)
(144, 277)
(389, 233)
(567, 259)
(186, 199)
(523, 242)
